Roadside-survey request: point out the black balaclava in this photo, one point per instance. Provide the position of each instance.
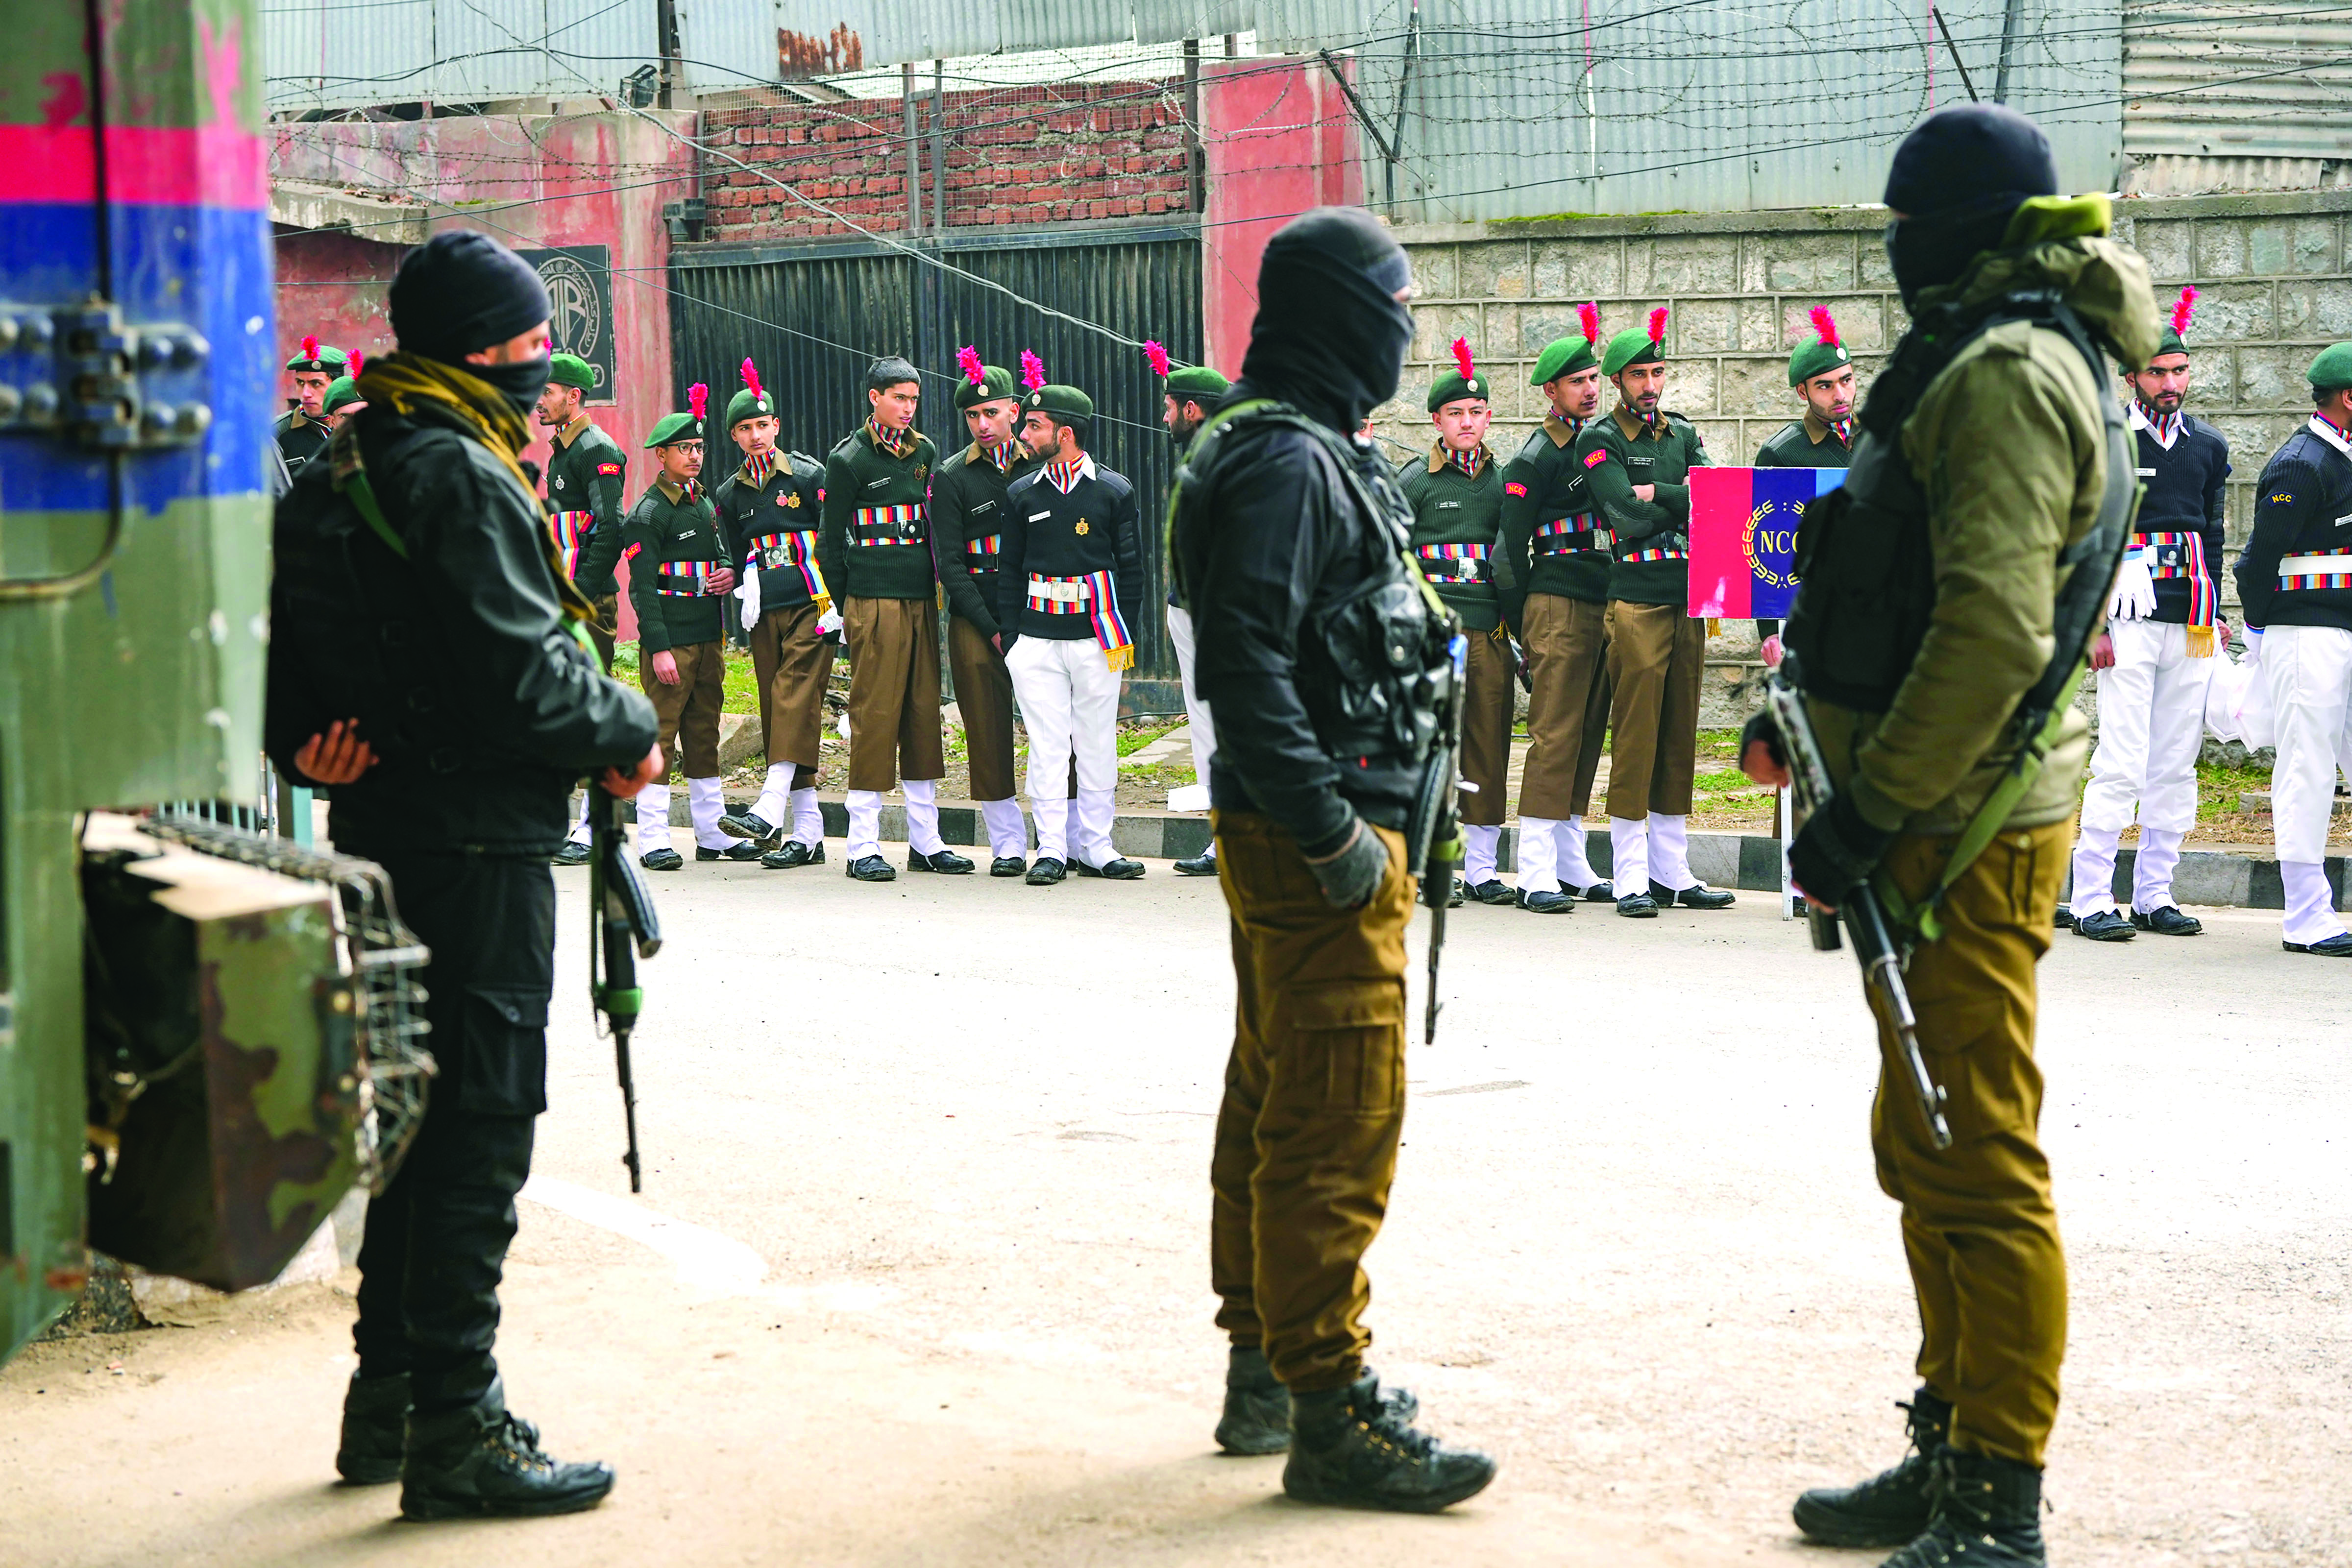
(461, 292)
(1958, 178)
(1330, 335)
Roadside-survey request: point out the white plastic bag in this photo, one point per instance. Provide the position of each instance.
(2257, 721)
(2224, 689)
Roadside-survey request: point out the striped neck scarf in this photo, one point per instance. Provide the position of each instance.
(2164, 427)
(1063, 473)
(1472, 463)
(1844, 430)
(759, 467)
(1004, 454)
(896, 443)
(2343, 436)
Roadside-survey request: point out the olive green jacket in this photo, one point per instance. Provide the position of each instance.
(2007, 443)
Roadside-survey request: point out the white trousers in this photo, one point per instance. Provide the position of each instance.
(1552, 856)
(2309, 669)
(1196, 710)
(1670, 852)
(653, 819)
(580, 833)
(866, 819)
(1069, 704)
(1484, 846)
(1008, 834)
(706, 803)
(2151, 724)
(1629, 854)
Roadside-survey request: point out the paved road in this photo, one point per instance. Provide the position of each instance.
(1636, 1248)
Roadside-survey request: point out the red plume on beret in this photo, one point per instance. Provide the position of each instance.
(357, 362)
(1825, 324)
(752, 379)
(968, 361)
(1033, 371)
(1658, 325)
(1461, 359)
(2182, 309)
(311, 348)
(1588, 320)
(1158, 356)
(698, 398)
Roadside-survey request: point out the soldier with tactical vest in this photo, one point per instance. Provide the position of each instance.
(302, 432)
(1554, 584)
(968, 519)
(1457, 496)
(1821, 372)
(2294, 580)
(1638, 462)
(1329, 665)
(681, 581)
(586, 476)
(875, 549)
(1951, 589)
(1187, 393)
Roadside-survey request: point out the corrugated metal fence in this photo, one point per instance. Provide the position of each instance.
(2252, 78)
(812, 317)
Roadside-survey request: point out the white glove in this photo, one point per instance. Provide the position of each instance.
(748, 591)
(2254, 645)
(829, 622)
(2134, 596)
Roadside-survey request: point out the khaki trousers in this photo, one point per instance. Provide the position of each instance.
(983, 693)
(790, 660)
(688, 711)
(602, 630)
(1487, 732)
(1306, 1137)
(893, 691)
(1980, 1228)
(1567, 704)
(1655, 657)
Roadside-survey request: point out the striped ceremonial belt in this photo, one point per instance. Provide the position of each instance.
(2181, 556)
(2316, 568)
(898, 524)
(980, 554)
(1657, 554)
(1467, 562)
(796, 550)
(685, 578)
(1566, 535)
(1090, 596)
(570, 531)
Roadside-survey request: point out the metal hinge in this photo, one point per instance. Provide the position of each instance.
(81, 372)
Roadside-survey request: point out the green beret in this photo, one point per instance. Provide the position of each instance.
(340, 391)
(1562, 357)
(571, 370)
(2333, 369)
(1631, 346)
(995, 382)
(1061, 402)
(1456, 386)
(748, 405)
(314, 356)
(1196, 383)
(674, 428)
(1807, 361)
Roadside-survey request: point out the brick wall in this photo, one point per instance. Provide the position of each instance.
(1031, 154)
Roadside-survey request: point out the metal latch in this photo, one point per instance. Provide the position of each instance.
(80, 372)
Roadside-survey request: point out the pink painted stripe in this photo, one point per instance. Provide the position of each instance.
(213, 166)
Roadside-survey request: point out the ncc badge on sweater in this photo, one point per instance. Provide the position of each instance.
(789, 498)
(608, 468)
(1595, 459)
(1081, 528)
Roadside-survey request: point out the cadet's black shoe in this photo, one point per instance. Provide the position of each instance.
(2063, 920)
(2336, 947)
(1199, 865)
(2104, 926)
(1600, 893)
(482, 1463)
(661, 859)
(736, 852)
(1988, 1515)
(1352, 1447)
(375, 1419)
(946, 862)
(571, 855)
(1007, 865)
(1546, 902)
(2167, 922)
(1256, 1418)
(1698, 895)
(1638, 906)
(1116, 870)
(1453, 898)
(872, 868)
(1047, 871)
(1893, 1506)
(793, 852)
(747, 825)
(1493, 890)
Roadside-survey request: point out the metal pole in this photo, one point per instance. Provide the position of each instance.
(914, 147)
(2011, 16)
(666, 24)
(1196, 178)
(1955, 49)
(940, 148)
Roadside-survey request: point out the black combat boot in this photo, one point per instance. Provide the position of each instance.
(1257, 1407)
(482, 1463)
(1893, 1506)
(375, 1418)
(1988, 1515)
(1352, 1447)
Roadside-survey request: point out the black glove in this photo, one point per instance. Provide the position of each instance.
(1350, 877)
(1836, 849)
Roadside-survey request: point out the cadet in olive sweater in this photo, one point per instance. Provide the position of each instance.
(875, 550)
(1637, 460)
(680, 575)
(1457, 508)
(585, 473)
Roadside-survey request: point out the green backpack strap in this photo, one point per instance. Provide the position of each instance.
(363, 496)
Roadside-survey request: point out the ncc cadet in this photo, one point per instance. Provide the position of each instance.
(463, 810)
(301, 431)
(2155, 657)
(1555, 589)
(342, 399)
(1187, 393)
(681, 575)
(1282, 522)
(1951, 589)
(1071, 570)
(768, 516)
(967, 513)
(874, 550)
(2294, 580)
(1456, 496)
(1821, 372)
(586, 472)
(1638, 461)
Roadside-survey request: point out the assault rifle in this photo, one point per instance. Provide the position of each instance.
(1865, 916)
(1437, 828)
(622, 929)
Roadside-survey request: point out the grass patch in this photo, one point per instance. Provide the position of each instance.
(1134, 737)
(1724, 782)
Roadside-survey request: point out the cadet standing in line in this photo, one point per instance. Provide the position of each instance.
(768, 516)
(1951, 589)
(301, 431)
(875, 551)
(968, 511)
(342, 399)
(2294, 580)
(1285, 521)
(1072, 567)
(1638, 461)
(1821, 372)
(2155, 657)
(1554, 583)
(681, 575)
(586, 472)
(1187, 393)
(1457, 496)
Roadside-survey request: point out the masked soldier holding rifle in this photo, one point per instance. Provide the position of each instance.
(1335, 665)
(1950, 592)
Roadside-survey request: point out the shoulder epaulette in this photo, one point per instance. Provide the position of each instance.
(1108, 479)
(1537, 442)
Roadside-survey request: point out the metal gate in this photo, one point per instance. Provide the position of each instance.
(815, 315)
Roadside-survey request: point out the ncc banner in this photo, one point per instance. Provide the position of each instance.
(1743, 537)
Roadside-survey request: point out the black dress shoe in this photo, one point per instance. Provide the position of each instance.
(1454, 899)
(1638, 906)
(1047, 871)
(661, 859)
(571, 855)
(1007, 865)
(872, 868)
(375, 1421)
(1199, 865)
(737, 852)
(2167, 920)
(946, 862)
(1698, 895)
(2336, 947)
(482, 1463)
(747, 825)
(1492, 891)
(793, 853)
(1600, 893)
(1546, 902)
(2105, 926)
(2064, 919)
(1119, 870)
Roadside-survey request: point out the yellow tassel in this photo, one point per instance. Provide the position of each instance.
(1713, 626)
(2201, 641)
(1121, 658)
(823, 604)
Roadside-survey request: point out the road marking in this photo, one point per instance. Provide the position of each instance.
(704, 1259)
